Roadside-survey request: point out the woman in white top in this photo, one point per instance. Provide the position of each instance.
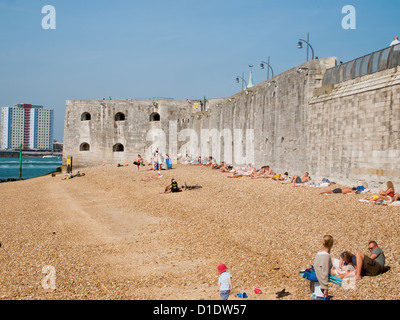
(322, 267)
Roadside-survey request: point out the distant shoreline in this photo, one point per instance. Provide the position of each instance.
(28, 153)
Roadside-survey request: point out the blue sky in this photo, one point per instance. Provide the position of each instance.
(182, 49)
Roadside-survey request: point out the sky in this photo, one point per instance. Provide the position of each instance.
(181, 49)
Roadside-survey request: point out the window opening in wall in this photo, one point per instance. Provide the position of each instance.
(84, 147)
(154, 117)
(118, 147)
(119, 117)
(85, 116)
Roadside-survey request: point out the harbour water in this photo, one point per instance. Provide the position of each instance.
(31, 167)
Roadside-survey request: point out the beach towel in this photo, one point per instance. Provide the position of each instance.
(169, 163)
(394, 204)
(309, 274)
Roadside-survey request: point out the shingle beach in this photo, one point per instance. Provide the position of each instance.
(112, 235)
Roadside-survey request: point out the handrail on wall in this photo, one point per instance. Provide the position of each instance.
(383, 59)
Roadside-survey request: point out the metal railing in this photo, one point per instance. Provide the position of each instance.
(374, 62)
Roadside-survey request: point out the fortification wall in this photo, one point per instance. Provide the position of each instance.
(347, 132)
(95, 130)
(277, 111)
(354, 130)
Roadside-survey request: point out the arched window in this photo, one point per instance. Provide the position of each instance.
(84, 147)
(118, 147)
(154, 117)
(85, 116)
(119, 117)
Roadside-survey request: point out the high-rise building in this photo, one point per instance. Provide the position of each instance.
(26, 124)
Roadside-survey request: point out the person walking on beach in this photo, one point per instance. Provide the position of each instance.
(323, 266)
(138, 161)
(372, 265)
(224, 282)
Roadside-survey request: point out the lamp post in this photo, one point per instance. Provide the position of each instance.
(300, 45)
(269, 67)
(237, 81)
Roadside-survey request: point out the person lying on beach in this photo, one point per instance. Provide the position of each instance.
(209, 162)
(196, 161)
(158, 176)
(173, 187)
(281, 177)
(215, 165)
(242, 172)
(264, 172)
(259, 174)
(297, 179)
(224, 167)
(339, 190)
(304, 184)
(79, 174)
(247, 171)
(70, 175)
(312, 183)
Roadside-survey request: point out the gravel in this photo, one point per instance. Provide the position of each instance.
(112, 235)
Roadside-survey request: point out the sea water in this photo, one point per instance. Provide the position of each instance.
(32, 167)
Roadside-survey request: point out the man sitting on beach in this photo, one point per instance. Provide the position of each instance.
(173, 187)
(372, 265)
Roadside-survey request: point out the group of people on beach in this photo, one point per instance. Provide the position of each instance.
(387, 196)
(347, 265)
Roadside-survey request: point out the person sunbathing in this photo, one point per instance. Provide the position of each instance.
(158, 176)
(268, 173)
(196, 161)
(215, 165)
(243, 172)
(224, 167)
(259, 174)
(297, 179)
(280, 176)
(339, 190)
(312, 183)
(388, 194)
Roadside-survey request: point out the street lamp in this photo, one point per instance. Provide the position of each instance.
(269, 67)
(300, 46)
(237, 81)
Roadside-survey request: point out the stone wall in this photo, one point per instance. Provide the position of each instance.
(354, 130)
(277, 111)
(101, 132)
(347, 132)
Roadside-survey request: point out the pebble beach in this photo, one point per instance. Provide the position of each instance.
(113, 235)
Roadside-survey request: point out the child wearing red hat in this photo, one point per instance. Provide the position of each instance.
(224, 282)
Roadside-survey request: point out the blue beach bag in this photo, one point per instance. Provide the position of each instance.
(309, 274)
